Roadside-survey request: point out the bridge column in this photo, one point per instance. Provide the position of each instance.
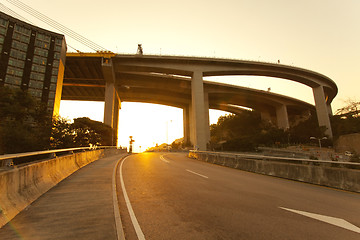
(282, 117)
(186, 124)
(112, 100)
(116, 119)
(198, 111)
(323, 110)
(207, 117)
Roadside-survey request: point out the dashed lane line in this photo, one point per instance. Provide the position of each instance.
(198, 174)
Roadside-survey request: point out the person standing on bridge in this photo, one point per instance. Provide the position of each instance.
(139, 50)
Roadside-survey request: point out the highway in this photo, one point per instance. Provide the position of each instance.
(173, 197)
(170, 196)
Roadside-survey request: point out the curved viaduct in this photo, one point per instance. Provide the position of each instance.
(178, 82)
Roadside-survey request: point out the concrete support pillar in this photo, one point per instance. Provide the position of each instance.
(322, 109)
(109, 108)
(186, 124)
(191, 126)
(282, 117)
(112, 100)
(116, 119)
(207, 116)
(198, 112)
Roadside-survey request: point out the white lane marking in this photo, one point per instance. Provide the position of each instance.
(163, 159)
(197, 173)
(134, 220)
(331, 220)
(119, 227)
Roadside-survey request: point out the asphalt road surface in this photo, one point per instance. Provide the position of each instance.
(173, 197)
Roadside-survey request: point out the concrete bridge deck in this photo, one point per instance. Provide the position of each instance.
(179, 82)
(79, 207)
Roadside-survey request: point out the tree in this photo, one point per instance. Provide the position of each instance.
(302, 132)
(246, 131)
(236, 132)
(231, 126)
(83, 132)
(62, 134)
(346, 119)
(176, 145)
(88, 131)
(351, 109)
(26, 125)
(25, 122)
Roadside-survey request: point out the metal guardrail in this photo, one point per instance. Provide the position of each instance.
(9, 160)
(351, 165)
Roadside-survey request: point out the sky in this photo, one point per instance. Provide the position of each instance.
(322, 36)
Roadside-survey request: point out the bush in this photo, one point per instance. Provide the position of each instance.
(355, 158)
(244, 144)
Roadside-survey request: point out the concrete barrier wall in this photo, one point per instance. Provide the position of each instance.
(341, 178)
(20, 186)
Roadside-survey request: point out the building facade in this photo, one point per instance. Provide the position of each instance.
(32, 59)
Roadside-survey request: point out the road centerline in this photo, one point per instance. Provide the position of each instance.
(200, 175)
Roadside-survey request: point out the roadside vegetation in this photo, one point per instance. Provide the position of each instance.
(83, 132)
(26, 125)
(246, 131)
(347, 119)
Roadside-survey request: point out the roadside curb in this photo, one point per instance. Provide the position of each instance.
(118, 223)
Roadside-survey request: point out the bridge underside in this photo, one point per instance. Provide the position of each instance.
(113, 79)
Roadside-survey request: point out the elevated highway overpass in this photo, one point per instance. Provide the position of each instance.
(178, 82)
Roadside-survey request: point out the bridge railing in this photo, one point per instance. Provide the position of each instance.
(302, 161)
(9, 160)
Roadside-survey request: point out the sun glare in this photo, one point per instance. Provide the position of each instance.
(149, 124)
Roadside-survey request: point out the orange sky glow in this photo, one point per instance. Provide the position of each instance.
(321, 35)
